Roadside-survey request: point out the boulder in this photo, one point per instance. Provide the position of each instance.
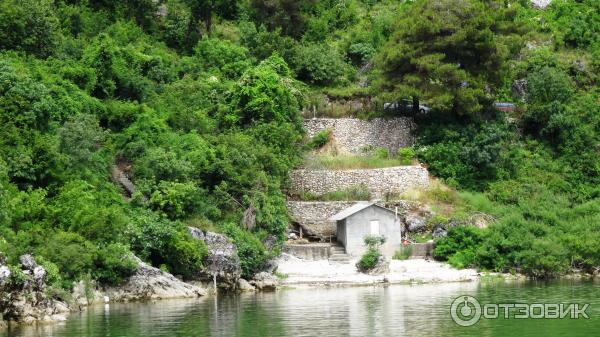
(244, 285)
(4, 276)
(265, 281)
(150, 283)
(439, 232)
(541, 4)
(415, 223)
(222, 258)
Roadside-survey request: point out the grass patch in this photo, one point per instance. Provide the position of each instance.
(360, 192)
(348, 162)
(421, 238)
(403, 253)
(281, 276)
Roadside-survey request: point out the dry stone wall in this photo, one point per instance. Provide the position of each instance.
(379, 182)
(354, 135)
(314, 214)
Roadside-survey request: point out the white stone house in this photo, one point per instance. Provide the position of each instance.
(367, 218)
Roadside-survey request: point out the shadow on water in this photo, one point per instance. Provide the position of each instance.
(399, 310)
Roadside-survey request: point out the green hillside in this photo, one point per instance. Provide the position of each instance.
(200, 103)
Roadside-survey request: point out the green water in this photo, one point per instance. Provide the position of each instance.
(399, 310)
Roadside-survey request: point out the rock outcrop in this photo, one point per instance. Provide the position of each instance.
(265, 281)
(150, 283)
(222, 258)
(244, 285)
(23, 299)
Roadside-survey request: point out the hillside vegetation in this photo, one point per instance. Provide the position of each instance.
(199, 102)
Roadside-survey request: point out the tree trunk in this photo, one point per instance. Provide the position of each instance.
(415, 105)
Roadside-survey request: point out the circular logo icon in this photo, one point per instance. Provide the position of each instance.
(465, 310)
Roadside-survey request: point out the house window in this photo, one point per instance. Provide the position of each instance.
(374, 227)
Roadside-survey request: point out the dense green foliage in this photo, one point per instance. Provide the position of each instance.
(199, 103)
(536, 169)
(204, 130)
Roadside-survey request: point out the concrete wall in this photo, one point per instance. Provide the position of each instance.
(312, 251)
(358, 226)
(314, 214)
(354, 135)
(421, 250)
(379, 181)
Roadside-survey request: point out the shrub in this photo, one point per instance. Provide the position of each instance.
(406, 155)
(382, 153)
(459, 246)
(374, 241)
(73, 255)
(319, 139)
(178, 200)
(320, 64)
(253, 254)
(369, 260)
(222, 56)
(403, 253)
(114, 263)
(162, 241)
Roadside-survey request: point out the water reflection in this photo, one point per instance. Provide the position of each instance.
(401, 310)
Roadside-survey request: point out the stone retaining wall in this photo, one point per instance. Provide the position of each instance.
(314, 214)
(379, 182)
(421, 250)
(354, 135)
(313, 251)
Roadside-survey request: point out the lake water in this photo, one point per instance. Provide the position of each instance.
(397, 310)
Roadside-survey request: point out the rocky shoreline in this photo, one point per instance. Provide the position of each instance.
(25, 297)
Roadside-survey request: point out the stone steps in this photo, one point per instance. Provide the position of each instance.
(338, 255)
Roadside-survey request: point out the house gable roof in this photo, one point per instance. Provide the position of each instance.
(359, 206)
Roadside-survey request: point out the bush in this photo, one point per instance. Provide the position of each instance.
(164, 242)
(114, 263)
(73, 255)
(319, 139)
(382, 153)
(406, 155)
(253, 254)
(459, 246)
(403, 253)
(369, 260)
(320, 64)
(218, 56)
(29, 25)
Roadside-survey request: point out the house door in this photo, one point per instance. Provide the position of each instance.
(374, 227)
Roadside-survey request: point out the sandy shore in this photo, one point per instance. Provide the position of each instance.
(323, 272)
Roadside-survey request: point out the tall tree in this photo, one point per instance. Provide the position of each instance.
(443, 51)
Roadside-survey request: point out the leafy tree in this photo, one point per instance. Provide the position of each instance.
(443, 52)
(265, 93)
(320, 64)
(29, 25)
(284, 14)
(224, 57)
